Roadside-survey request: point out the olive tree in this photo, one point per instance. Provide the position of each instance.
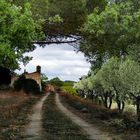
(130, 78)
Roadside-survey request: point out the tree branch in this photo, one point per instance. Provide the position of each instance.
(57, 40)
(53, 42)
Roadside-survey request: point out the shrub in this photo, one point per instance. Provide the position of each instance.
(4, 87)
(118, 124)
(130, 121)
(31, 86)
(19, 83)
(28, 85)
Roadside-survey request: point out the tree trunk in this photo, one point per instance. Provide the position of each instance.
(138, 107)
(119, 105)
(137, 99)
(92, 96)
(96, 99)
(105, 100)
(110, 102)
(123, 105)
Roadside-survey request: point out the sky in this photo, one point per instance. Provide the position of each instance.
(58, 61)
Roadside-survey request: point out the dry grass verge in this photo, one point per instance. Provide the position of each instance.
(14, 110)
(111, 121)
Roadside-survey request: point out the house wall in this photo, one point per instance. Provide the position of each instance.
(35, 76)
(13, 79)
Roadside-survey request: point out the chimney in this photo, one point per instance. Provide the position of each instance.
(38, 69)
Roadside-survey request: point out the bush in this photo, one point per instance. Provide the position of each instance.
(126, 122)
(118, 124)
(28, 85)
(4, 87)
(19, 83)
(130, 121)
(31, 86)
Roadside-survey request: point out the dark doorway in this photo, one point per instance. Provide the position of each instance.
(5, 76)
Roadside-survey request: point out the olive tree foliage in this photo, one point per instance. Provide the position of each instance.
(100, 84)
(96, 90)
(17, 31)
(108, 78)
(118, 79)
(82, 87)
(130, 78)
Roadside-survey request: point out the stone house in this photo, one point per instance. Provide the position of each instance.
(34, 75)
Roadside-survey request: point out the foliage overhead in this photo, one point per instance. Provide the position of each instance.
(17, 31)
(73, 14)
(23, 22)
(110, 32)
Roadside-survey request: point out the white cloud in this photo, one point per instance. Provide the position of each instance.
(59, 60)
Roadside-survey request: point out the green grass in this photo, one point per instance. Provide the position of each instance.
(68, 88)
(57, 125)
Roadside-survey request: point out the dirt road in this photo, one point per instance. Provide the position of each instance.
(93, 132)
